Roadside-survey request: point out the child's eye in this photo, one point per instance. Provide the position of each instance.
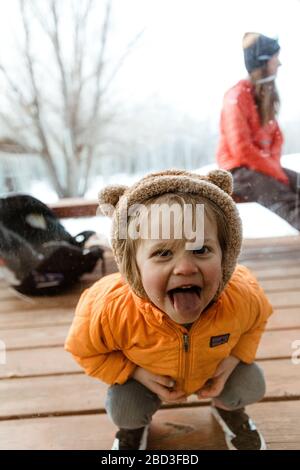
(201, 251)
(163, 253)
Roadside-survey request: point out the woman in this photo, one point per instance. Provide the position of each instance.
(251, 140)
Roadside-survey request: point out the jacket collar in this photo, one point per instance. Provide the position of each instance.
(147, 308)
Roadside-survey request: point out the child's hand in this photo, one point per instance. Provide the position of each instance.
(159, 384)
(215, 385)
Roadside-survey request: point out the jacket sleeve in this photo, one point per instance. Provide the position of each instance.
(91, 343)
(253, 326)
(240, 141)
(277, 144)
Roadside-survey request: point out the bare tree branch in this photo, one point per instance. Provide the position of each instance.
(9, 145)
(100, 64)
(37, 114)
(98, 76)
(79, 44)
(121, 61)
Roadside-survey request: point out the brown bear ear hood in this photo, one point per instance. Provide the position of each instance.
(111, 195)
(222, 179)
(217, 187)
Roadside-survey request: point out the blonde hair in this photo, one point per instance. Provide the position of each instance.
(265, 95)
(130, 245)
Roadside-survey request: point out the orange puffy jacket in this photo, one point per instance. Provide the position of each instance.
(114, 330)
(243, 141)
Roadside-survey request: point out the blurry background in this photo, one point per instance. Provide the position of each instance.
(96, 91)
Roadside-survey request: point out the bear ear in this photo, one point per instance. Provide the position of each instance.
(222, 179)
(109, 197)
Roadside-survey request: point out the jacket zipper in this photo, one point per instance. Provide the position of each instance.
(186, 342)
(186, 350)
(186, 356)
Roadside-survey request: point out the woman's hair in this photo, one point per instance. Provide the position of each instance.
(265, 95)
(211, 210)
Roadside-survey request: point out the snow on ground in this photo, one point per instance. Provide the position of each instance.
(258, 222)
(291, 161)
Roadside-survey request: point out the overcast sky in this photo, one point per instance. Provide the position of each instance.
(191, 51)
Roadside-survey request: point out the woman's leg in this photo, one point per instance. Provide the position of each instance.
(252, 186)
(131, 405)
(294, 179)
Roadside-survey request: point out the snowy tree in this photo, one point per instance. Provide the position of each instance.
(56, 103)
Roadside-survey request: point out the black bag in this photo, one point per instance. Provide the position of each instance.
(35, 246)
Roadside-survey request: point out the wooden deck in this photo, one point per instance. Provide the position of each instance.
(46, 402)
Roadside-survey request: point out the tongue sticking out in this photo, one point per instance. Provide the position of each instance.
(185, 300)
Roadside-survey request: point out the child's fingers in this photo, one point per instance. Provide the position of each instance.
(203, 394)
(170, 395)
(174, 396)
(165, 381)
(159, 389)
(212, 391)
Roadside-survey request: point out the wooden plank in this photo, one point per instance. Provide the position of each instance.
(80, 393)
(36, 318)
(280, 285)
(50, 395)
(28, 362)
(37, 303)
(285, 299)
(284, 318)
(176, 429)
(276, 272)
(35, 337)
(76, 432)
(74, 207)
(288, 241)
(282, 379)
(266, 263)
(277, 344)
(46, 361)
(274, 254)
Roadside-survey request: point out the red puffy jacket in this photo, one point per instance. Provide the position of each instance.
(243, 141)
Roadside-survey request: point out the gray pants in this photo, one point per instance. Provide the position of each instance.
(132, 405)
(284, 200)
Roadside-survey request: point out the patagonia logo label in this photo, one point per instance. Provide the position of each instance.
(217, 340)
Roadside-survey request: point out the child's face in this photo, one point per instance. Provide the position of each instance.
(181, 282)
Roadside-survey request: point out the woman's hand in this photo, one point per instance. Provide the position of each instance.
(159, 384)
(214, 386)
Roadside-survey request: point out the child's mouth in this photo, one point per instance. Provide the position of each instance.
(185, 298)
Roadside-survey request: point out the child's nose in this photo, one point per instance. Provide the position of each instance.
(185, 266)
